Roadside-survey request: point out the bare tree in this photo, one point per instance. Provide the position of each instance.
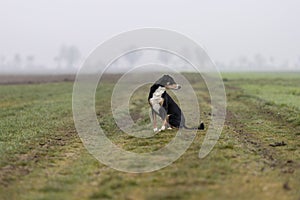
(73, 56)
(17, 61)
(133, 56)
(30, 62)
(67, 57)
(260, 61)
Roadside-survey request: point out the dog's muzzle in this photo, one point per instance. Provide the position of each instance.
(173, 87)
(177, 87)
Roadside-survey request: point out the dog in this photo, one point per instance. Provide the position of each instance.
(165, 107)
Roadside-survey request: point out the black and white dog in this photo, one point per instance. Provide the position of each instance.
(165, 107)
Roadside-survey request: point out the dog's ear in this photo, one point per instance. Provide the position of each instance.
(161, 81)
(165, 80)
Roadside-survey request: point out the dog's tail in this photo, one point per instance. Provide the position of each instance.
(200, 127)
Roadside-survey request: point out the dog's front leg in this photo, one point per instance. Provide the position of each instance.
(164, 117)
(155, 129)
(165, 122)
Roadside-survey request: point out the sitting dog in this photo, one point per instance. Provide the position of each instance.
(164, 106)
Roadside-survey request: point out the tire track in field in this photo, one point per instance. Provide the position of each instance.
(240, 121)
(250, 141)
(257, 127)
(247, 139)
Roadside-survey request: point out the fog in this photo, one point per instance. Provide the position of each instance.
(56, 36)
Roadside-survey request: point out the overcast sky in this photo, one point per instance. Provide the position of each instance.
(227, 29)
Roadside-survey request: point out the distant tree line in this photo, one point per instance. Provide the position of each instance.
(66, 60)
(68, 57)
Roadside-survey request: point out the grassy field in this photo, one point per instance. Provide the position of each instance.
(256, 157)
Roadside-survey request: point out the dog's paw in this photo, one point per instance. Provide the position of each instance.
(155, 129)
(162, 128)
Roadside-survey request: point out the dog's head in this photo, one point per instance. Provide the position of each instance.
(168, 82)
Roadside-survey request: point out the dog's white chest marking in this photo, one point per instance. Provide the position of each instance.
(157, 99)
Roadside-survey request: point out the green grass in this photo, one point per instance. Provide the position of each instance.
(43, 158)
(277, 88)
